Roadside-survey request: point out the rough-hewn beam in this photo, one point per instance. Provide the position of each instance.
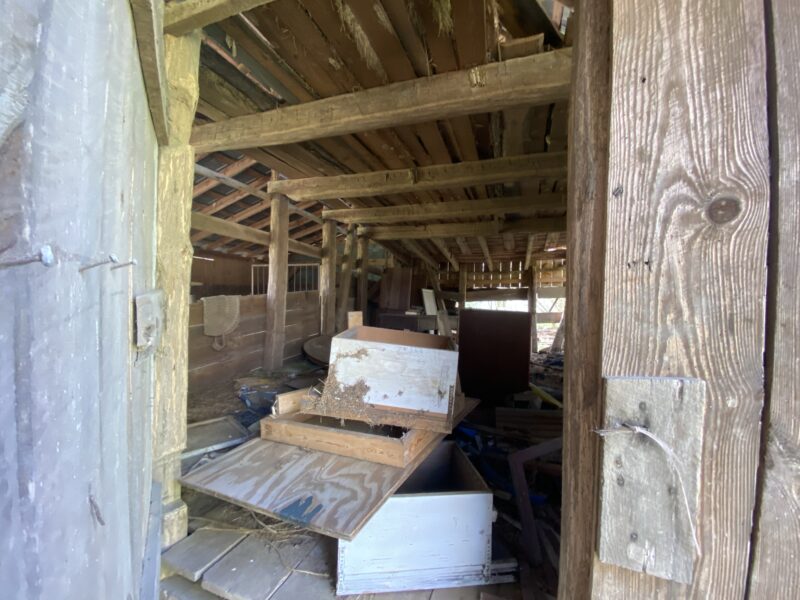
(439, 243)
(460, 175)
(420, 252)
(251, 190)
(230, 170)
(148, 17)
(182, 17)
(327, 280)
(237, 231)
(538, 79)
(485, 249)
(474, 229)
(275, 329)
(437, 211)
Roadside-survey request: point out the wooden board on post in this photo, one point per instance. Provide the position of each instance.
(277, 283)
(327, 279)
(650, 478)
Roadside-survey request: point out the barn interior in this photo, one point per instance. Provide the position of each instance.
(399, 299)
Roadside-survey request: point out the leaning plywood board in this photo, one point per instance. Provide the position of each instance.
(436, 532)
(333, 495)
(383, 376)
(386, 445)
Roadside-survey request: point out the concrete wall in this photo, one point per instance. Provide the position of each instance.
(78, 167)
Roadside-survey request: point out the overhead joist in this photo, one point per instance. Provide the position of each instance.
(399, 181)
(531, 80)
(182, 17)
(475, 229)
(249, 189)
(238, 231)
(438, 211)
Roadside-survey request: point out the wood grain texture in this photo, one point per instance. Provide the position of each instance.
(192, 556)
(329, 494)
(181, 17)
(434, 177)
(687, 226)
(148, 19)
(776, 543)
(650, 487)
(327, 279)
(538, 79)
(277, 283)
(364, 443)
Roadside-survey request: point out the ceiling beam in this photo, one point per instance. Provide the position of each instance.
(230, 170)
(439, 243)
(437, 211)
(415, 248)
(398, 181)
(531, 80)
(182, 17)
(486, 254)
(474, 229)
(237, 231)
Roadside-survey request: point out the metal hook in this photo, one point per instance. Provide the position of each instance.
(111, 259)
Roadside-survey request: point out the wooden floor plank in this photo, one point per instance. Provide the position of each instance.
(257, 567)
(178, 588)
(192, 556)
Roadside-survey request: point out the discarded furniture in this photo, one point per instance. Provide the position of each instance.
(382, 376)
(435, 532)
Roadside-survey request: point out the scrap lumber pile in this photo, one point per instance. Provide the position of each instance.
(362, 459)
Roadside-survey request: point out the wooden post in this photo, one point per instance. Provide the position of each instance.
(633, 308)
(363, 265)
(534, 281)
(776, 543)
(277, 283)
(345, 278)
(173, 271)
(327, 279)
(462, 288)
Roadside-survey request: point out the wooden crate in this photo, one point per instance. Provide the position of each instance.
(383, 376)
(385, 445)
(434, 532)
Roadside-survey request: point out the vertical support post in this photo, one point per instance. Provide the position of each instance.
(277, 283)
(327, 279)
(462, 288)
(173, 274)
(533, 278)
(345, 279)
(363, 265)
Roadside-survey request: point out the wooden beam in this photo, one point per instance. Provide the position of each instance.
(485, 249)
(225, 228)
(529, 252)
(249, 189)
(345, 278)
(182, 17)
(462, 289)
(435, 177)
(776, 542)
(237, 231)
(230, 170)
(363, 274)
(420, 252)
(327, 280)
(148, 18)
(277, 284)
(473, 229)
(462, 245)
(439, 243)
(437, 211)
(538, 79)
(532, 301)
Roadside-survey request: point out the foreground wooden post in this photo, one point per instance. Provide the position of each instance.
(345, 278)
(173, 269)
(462, 288)
(327, 279)
(363, 274)
(634, 308)
(277, 283)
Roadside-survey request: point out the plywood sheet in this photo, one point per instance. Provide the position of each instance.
(333, 495)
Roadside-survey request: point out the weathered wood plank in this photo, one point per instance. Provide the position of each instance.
(353, 438)
(474, 229)
(277, 283)
(465, 174)
(333, 495)
(538, 79)
(327, 279)
(148, 18)
(192, 556)
(181, 17)
(650, 481)
(447, 210)
(687, 227)
(776, 543)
